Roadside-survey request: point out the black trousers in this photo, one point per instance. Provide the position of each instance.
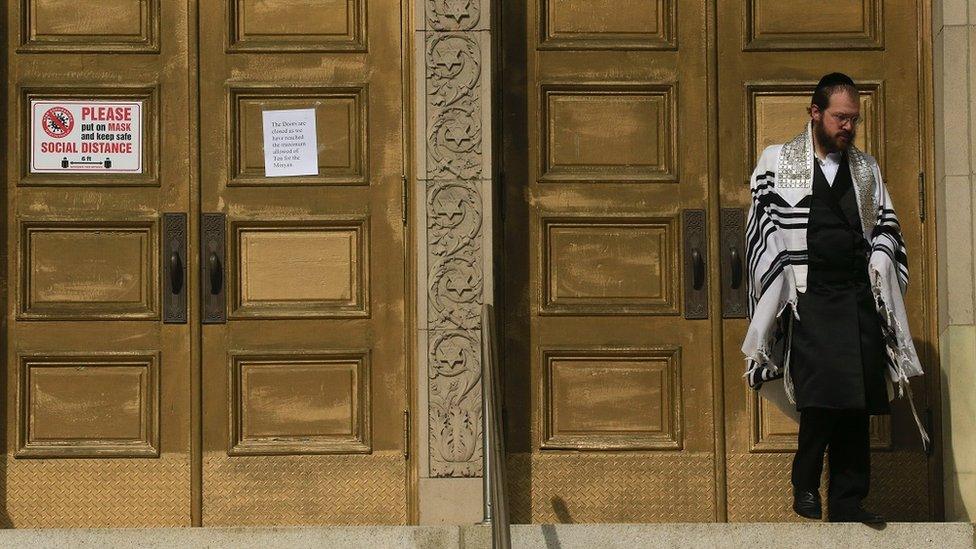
(845, 433)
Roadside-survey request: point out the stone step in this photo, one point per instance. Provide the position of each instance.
(951, 535)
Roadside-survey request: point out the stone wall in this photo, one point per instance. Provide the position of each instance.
(954, 50)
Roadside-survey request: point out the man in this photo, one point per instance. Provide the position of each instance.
(824, 242)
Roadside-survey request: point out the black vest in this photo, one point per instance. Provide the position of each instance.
(838, 357)
(836, 246)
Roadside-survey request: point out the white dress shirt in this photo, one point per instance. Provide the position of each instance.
(829, 166)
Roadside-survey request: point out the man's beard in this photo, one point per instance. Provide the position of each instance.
(832, 143)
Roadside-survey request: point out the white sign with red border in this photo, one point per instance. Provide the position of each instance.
(86, 136)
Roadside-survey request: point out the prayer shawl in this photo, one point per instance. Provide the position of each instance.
(776, 257)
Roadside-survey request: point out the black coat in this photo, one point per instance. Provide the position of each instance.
(837, 357)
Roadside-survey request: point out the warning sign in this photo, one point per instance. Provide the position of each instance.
(86, 136)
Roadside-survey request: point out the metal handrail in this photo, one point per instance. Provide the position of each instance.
(495, 476)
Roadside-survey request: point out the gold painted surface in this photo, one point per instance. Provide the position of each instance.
(96, 493)
(612, 399)
(315, 267)
(760, 491)
(604, 16)
(570, 24)
(610, 265)
(304, 490)
(580, 121)
(88, 406)
(325, 268)
(90, 25)
(340, 124)
(85, 17)
(285, 25)
(599, 166)
(83, 256)
(299, 403)
(618, 487)
(835, 24)
(839, 16)
(90, 270)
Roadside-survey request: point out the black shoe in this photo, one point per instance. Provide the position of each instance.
(807, 504)
(858, 514)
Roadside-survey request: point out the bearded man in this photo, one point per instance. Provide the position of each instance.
(825, 247)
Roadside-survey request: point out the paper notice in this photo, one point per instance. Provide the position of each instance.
(290, 146)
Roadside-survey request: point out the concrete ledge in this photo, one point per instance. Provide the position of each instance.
(953, 535)
(904, 535)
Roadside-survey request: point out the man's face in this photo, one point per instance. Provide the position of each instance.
(836, 126)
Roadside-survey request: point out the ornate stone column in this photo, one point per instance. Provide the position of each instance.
(453, 125)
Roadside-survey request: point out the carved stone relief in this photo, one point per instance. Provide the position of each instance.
(453, 107)
(450, 15)
(455, 404)
(452, 119)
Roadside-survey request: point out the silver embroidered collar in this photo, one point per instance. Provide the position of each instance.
(794, 169)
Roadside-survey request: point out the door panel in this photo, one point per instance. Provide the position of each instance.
(97, 386)
(304, 384)
(609, 383)
(771, 56)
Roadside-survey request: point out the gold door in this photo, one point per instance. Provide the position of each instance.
(190, 341)
(609, 361)
(304, 383)
(97, 386)
(619, 118)
(771, 55)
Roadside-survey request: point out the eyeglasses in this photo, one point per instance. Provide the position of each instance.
(843, 119)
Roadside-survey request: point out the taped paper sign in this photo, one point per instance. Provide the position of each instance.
(290, 144)
(86, 136)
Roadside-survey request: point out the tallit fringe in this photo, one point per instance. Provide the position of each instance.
(787, 378)
(898, 354)
(762, 358)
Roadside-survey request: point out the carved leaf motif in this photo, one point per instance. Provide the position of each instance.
(448, 15)
(455, 405)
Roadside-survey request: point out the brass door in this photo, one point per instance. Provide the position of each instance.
(618, 118)
(97, 392)
(304, 384)
(771, 55)
(609, 361)
(279, 395)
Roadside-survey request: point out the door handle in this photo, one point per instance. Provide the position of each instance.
(213, 299)
(213, 265)
(175, 273)
(732, 239)
(695, 247)
(174, 248)
(698, 269)
(736, 268)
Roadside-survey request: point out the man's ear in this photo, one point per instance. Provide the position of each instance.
(815, 113)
